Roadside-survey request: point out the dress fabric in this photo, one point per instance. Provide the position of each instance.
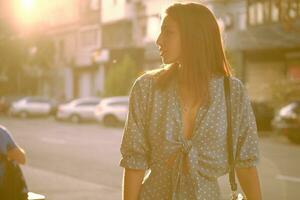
(180, 168)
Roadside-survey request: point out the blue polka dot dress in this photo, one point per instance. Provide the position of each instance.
(180, 168)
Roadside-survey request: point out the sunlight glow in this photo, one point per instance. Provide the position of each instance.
(27, 4)
(31, 15)
(26, 11)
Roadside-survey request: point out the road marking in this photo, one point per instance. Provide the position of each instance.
(54, 141)
(288, 178)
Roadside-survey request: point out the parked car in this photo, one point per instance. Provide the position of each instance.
(287, 121)
(264, 115)
(78, 110)
(112, 110)
(32, 106)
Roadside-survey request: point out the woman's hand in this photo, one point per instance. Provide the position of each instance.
(17, 154)
(249, 181)
(132, 181)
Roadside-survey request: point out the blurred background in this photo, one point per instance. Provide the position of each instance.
(65, 61)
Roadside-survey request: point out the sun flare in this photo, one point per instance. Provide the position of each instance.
(26, 11)
(27, 4)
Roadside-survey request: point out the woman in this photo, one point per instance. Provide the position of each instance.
(176, 126)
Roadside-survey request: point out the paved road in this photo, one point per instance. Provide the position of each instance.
(80, 161)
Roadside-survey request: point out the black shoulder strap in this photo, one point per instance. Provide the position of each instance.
(232, 181)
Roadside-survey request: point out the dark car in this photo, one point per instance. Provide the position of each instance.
(263, 114)
(287, 121)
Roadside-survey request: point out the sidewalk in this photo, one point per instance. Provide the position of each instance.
(60, 187)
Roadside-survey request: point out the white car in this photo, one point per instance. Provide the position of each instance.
(78, 110)
(31, 106)
(112, 110)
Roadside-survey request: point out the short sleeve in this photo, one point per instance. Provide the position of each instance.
(8, 141)
(134, 146)
(247, 154)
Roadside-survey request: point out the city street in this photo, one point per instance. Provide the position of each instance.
(81, 161)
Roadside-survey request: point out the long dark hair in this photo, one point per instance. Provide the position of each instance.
(203, 54)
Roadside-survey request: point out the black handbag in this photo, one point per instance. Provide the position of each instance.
(234, 194)
(14, 186)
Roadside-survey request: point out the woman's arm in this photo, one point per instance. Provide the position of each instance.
(17, 154)
(132, 181)
(249, 181)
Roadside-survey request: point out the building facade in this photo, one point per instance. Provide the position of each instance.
(74, 26)
(263, 38)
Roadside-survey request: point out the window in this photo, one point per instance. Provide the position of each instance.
(252, 14)
(124, 103)
(256, 12)
(266, 11)
(34, 100)
(242, 19)
(274, 12)
(88, 104)
(259, 13)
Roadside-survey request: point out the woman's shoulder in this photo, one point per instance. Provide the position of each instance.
(150, 76)
(238, 89)
(237, 84)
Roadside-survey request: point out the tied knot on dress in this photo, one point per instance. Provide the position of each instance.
(179, 162)
(186, 146)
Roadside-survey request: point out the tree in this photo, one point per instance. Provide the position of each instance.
(120, 77)
(43, 54)
(12, 57)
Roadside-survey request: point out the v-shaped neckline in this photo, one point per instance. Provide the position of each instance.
(180, 115)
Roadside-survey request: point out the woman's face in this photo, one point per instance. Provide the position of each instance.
(168, 41)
